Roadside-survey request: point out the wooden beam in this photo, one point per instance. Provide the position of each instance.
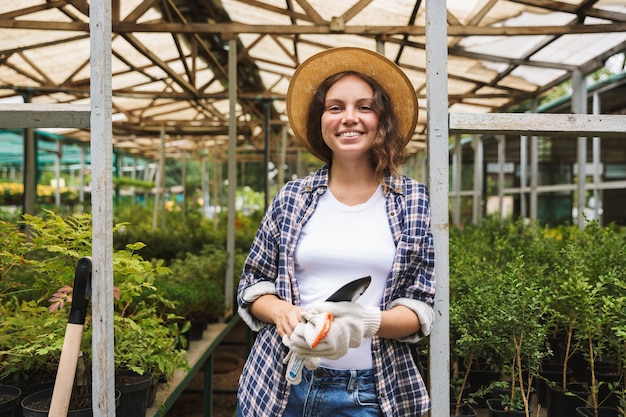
(355, 9)
(553, 125)
(327, 28)
(311, 12)
(37, 115)
(279, 10)
(366, 30)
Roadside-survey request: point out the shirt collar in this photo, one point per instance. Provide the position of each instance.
(319, 179)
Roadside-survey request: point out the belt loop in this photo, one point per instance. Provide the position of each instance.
(352, 383)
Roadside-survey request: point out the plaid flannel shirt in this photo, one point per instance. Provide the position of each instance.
(263, 389)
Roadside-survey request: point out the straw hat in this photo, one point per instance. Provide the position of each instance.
(310, 74)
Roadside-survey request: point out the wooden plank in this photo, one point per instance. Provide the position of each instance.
(318, 28)
(553, 125)
(49, 115)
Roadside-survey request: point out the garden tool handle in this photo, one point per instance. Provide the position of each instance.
(59, 405)
(62, 391)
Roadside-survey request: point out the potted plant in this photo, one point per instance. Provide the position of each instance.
(520, 317)
(474, 343)
(568, 305)
(51, 252)
(599, 280)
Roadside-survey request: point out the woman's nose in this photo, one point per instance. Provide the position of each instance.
(350, 115)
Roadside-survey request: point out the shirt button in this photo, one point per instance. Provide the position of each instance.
(399, 190)
(307, 187)
(392, 213)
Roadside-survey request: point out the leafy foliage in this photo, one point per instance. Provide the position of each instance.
(515, 285)
(33, 324)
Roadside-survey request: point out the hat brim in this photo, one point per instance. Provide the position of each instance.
(310, 74)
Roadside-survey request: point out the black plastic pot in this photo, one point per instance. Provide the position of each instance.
(609, 387)
(38, 405)
(497, 410)
(135, 389)
(602, 412)
(30, 388)
(479, 378)
(9, 400)
(564, 403)
(551, 373)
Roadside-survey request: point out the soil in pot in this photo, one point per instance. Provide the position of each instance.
(9, 400)
(135, 389)
(562, 404)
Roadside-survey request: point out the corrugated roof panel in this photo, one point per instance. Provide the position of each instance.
(486, 73)
(578, 49)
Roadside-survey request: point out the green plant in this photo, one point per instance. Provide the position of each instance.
(520, 316)
(567, 302)
(196, 284)
(474, 340)
(146, 342)
(30, 342)
(144, 337)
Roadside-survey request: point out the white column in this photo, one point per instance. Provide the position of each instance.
(437, 93)
(102, 209)
(477, 144)
(232, 173)
(579, 106)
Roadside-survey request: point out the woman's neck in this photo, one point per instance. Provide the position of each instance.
(352, 183)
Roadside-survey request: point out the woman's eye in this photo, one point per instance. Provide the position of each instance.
(334, 109)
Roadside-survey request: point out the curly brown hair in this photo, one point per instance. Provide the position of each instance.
(387, 153)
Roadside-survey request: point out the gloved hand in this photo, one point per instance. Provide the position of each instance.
(351, 323)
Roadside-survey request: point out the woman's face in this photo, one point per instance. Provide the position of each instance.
(349, 122)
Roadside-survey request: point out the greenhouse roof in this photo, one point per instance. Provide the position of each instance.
(170, 66)
(12, 151)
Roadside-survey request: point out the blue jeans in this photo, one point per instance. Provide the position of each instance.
(330, 392)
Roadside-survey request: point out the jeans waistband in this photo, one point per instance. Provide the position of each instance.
(347, 377)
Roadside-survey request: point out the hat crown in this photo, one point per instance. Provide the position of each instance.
(313, 71)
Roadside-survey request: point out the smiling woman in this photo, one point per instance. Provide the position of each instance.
(356, 216)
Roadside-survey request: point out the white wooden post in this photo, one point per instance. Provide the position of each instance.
(232, 174)
(437, 93)
(579, 105)
(102, 209)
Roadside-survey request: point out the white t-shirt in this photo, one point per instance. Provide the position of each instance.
(341, 243)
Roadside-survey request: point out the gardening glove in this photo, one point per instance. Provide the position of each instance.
(351, 322)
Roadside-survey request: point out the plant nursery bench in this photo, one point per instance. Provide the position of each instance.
(200, 356)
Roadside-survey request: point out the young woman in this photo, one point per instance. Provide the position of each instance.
(355, 110)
